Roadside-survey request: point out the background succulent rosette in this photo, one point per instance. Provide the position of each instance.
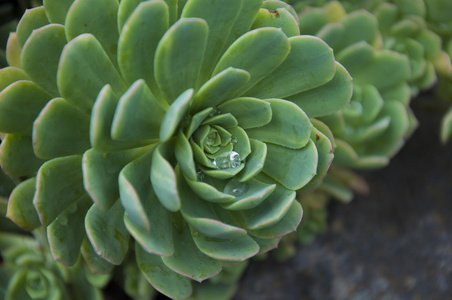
(370, 129)
(187, 124)
(439, 20)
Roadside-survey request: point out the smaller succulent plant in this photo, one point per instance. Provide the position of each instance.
(28, 271)
(439, 19)
(376, 122)
(405, 30)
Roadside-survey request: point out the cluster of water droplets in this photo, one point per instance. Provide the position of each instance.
(231, 160)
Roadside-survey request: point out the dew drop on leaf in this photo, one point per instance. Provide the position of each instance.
(231, 160)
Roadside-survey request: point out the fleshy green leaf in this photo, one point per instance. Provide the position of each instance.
(223, 173)
(208, 192)
(286, 225)
(100, 126)
(13, 51)
(56, 10)
(84, 70)
(195, 121)
(10, 75)
(221, 87)
(184, 156)
(13, 99)
(267, 46)
(125, 10)
(138, 115)
(161, 277)
(139, 39)
(17, 157)
(226, 120)
(358, 26)
(61, 129)
(446, 127)
(220, 17)
(66, 232)
(247, 194)
(392, 140)
(20, 205)
(248, 12)
(291, 168)
(59, 184)
(98, 18)
(270, 211)
(158, 240)
(327, 98)
(242, 145)
(249, 112)
(325, 155)
(163, 177)
(254, 162)
(107, 232)
(100, 174)
(175, 115)
(180, 51)
(96, 264)
(187, 260)
(32, 19)
(41, 54)
(202, 217)
(344, 154)
(309, 65)
(385, 69)
(136, 192)
(225, 249)
(289, 126)
(279, 18)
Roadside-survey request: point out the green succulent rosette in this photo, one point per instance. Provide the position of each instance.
(187, 123)
(404, 29)
(376, 122)
(28, 271)
(439, 20)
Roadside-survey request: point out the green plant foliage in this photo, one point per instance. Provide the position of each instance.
(376, 122)
(28, 271)
(179, 129)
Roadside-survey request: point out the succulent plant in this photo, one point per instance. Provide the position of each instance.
(28, 271)
(438, 17)
(374, 125)
(187, 123)
(376, 122)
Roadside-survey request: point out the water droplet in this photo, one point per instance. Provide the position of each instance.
(233, 140)
(62, 220)
(230, 160)
(195, 233)
(200, 176)
(235, 159)
(240, 190)
(236, 188)
(215, 112)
